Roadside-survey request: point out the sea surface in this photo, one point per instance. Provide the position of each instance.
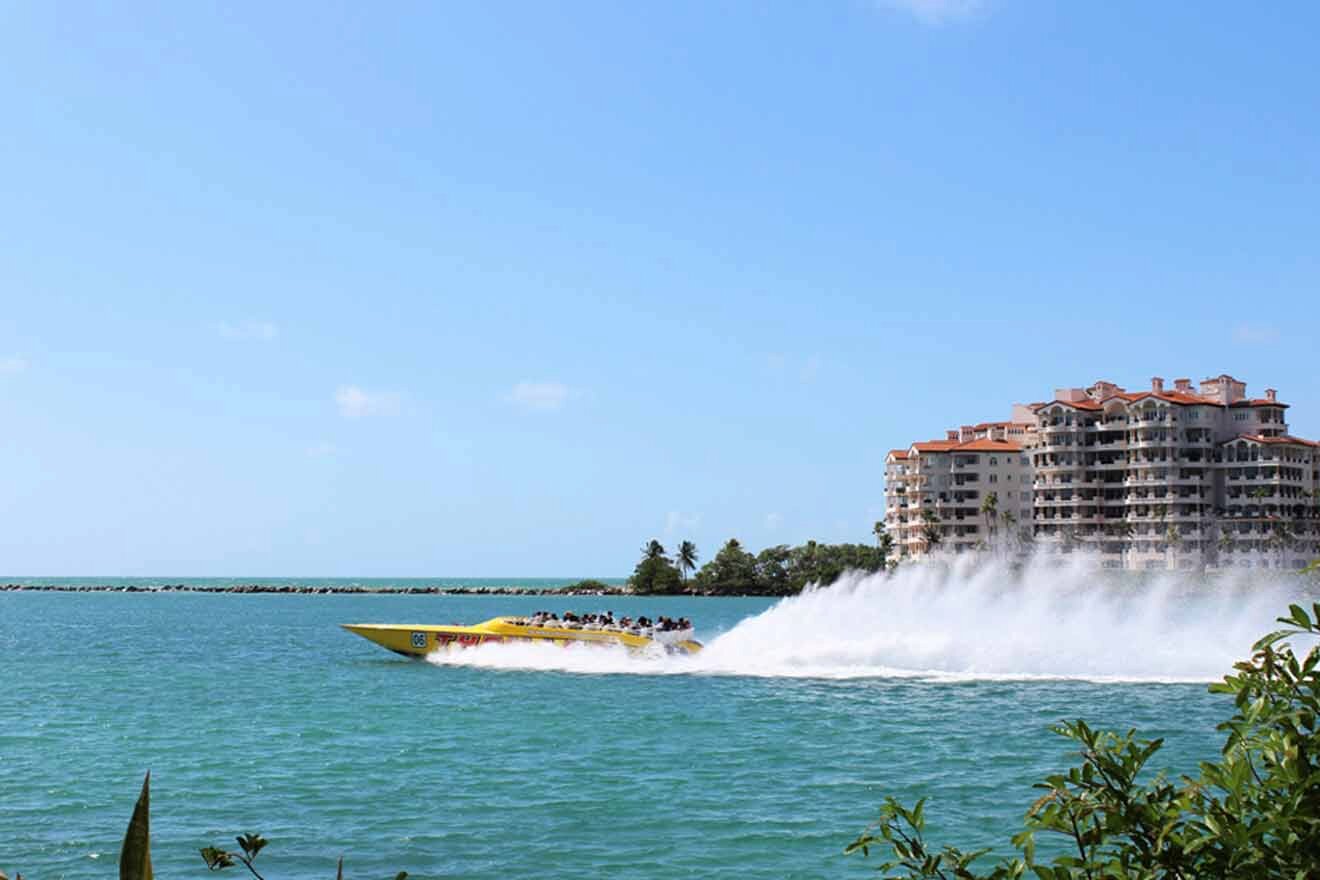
(762, 757)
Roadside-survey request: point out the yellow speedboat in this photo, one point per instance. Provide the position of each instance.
(419, 639)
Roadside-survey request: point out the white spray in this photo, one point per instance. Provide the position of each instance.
(969, 621)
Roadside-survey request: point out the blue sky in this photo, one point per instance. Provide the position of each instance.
(508, 289)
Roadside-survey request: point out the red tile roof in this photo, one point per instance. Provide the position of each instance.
(1286, 439)
(969, 446)
(1182, 398)
(988, 446)
(935, 445)
(1087, 404)
(1258, 401)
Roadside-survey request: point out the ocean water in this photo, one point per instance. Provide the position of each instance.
(761, 757)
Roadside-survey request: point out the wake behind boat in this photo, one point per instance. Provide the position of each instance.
(418, 640)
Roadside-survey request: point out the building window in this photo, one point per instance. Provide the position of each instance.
(993, 461)
(994, 478)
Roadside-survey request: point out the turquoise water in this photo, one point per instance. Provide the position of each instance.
(257, 713)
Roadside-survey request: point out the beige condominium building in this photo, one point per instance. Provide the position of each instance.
(1180, 477)
(969, 491)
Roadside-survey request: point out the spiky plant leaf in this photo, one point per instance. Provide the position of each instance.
(135, 856)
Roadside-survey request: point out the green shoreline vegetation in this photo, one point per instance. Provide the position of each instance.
(780, 570)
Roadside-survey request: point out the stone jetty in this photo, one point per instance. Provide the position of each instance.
(288, 589)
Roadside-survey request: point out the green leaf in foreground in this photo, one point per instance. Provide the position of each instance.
(1254, 814)
(135, 857)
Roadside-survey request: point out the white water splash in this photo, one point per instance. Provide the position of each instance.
(967, 622)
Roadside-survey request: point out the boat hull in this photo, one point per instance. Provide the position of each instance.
(418, 640)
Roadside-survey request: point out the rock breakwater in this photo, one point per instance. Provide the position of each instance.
(289, 589)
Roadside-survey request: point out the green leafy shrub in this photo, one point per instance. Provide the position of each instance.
(782, 570)
(1254, 813)
(590, 585)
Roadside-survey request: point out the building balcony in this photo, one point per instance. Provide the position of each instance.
(1147, 482)
(1057, 468)
(1058, 448)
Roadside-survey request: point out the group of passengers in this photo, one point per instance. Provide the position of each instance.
(639, 626)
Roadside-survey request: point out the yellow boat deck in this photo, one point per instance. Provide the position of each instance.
(419, 639)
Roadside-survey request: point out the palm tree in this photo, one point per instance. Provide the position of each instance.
(653, 550)
(686, 558)
(1009, 519)
(930, 532)
(1126, 532)
(887, 549)
(1010, 529)
(1116, 532)
(989, 507)
(1171, 540)
(1226, 542)
(1281, 538)
(884, 541)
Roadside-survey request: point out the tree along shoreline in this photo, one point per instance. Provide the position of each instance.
(780, 570)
